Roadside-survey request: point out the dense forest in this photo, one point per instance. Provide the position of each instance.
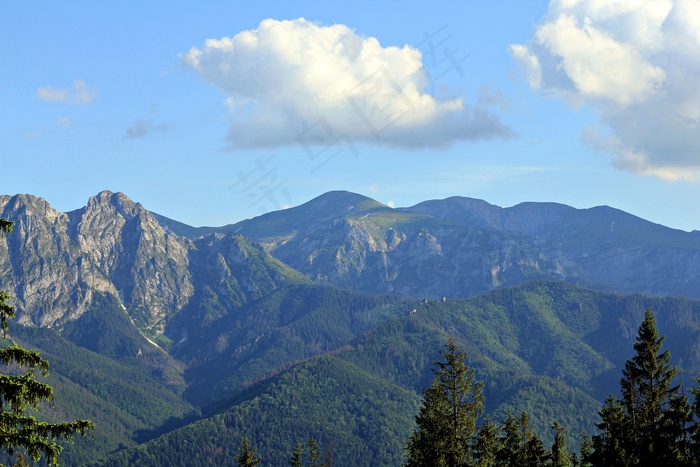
(348, 371)
(651, 424)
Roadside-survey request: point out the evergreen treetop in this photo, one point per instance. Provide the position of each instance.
(18, 393)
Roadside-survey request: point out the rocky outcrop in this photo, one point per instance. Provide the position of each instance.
(147, 264)
(42, 268)
(53, 262)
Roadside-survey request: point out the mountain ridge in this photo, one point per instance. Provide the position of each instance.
(456, 247)
(327, 300)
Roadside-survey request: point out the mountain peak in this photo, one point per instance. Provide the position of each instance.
(318, 211)
(15, 207)
(343, 195)
(107, 200)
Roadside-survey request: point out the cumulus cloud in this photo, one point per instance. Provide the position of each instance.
(288, 76)
(78, 93)
(636, 62)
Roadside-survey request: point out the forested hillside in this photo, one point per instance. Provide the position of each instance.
(180, 342)
(550, 349)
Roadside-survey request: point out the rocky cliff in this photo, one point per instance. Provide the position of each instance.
(53, 262)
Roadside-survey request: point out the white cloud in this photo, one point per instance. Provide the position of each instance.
(638, 63)
(287, 77)
(79, 93)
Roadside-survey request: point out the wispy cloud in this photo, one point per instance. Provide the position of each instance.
(79, 93)
(287, 76)
(142, 128)
(638, 64)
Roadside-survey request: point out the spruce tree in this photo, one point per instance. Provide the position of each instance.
(533, 452)
(246, 456)
(694, 430)
(561, 455)
(447, 418)
(295, 460)
(511, 452)
(610, 447)
(648, 426)
(314, 454)
(487, 444)
(19, 393)
(586, 452)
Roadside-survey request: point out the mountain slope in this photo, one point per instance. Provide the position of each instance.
(272, 333)
(457, 247)
(549, 348)
(362, 417)
(609, 247)
(54, 264)
(460, 247)
(123, 398)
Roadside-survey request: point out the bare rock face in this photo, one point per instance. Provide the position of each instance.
(413, 258)
(42, 268)
(54, 262)
(147, 264)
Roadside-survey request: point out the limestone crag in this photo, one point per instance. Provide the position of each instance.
(53, 262)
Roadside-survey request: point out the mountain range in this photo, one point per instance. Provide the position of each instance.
(322, 320)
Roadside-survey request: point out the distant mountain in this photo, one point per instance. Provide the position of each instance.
(161, 269)
(608, 247)
(324, 319)
(460, 247)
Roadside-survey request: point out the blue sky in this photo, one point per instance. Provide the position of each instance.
(213, 112)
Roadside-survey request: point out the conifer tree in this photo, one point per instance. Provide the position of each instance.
(328, 456)
(18, 393)
(314, 454)
(487, 444)
(648, 426)
(586, 452)
(610, 447)
(511, 444)
(296, 460)
(447, 418)
(676, 428)
(246, 456)
(561, 456)
(533, 452)
(694, 431)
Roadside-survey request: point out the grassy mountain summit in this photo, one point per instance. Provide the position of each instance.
(459, 247)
